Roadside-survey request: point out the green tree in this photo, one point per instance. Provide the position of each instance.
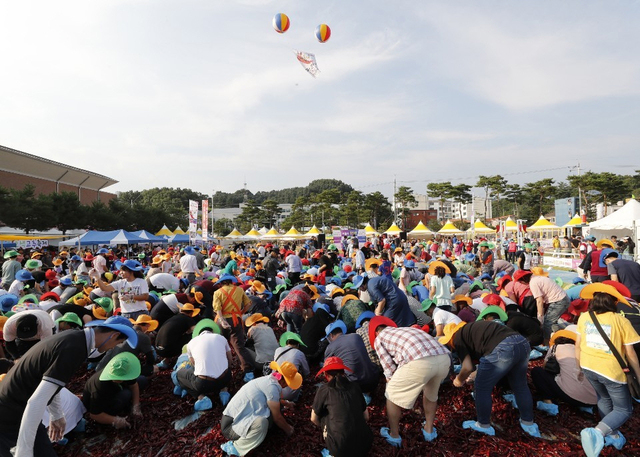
(539, 197)
(28, 211)
(251, 215)
(461, 194)
(270, 211)
(440, 190)
(514, 194)
(222, 227)
(405, 200)
(67, 212)
(378, 209)
(99, 216)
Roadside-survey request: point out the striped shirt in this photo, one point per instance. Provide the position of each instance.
(398, 346)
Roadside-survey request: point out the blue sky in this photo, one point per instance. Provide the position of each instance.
(205, 94)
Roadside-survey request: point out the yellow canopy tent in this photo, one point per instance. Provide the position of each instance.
(510, 225)
(253, 233)
(393, 230)
(480, 227)
(164, 231)
(234, 234)
(313, 231)
(420, 230)
(576, 221)
(543, 224)
(271, 234)
(370, 231)
(179, 231)
(450, 229)
(293, 233)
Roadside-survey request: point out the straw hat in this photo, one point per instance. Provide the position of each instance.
(145, 320)
(257, 317)
(189, 309)
(290, 373)
(450, 331)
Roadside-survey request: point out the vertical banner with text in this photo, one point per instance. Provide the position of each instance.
(205, 221)
(193, 221)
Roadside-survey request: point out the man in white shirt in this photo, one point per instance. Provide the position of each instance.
(294, 267)
(189, 265)
(100, 262)
(208, 372)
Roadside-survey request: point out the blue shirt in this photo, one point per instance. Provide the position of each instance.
(250, 403)
(574, 292)
(397, 306)
(351, 349)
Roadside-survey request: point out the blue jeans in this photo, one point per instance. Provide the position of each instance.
(551, 316)
(135, 314)
(293, 321)
(509, 359)
(614, 402)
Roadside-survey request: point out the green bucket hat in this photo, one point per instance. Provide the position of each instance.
(205, 324)
(410, 286)
(348, 285)
(31, 264)
(279, 288)
(123, 367)
(287, 281)
(9, 254)
(71, 318)
(476, 283)
(396, 273)
(141, 256)
(336, 269)
(426, 304)
(169, 292)
(105, 303)
(483, 244)
(528, 246)
(559, 281)
(493, 310)
(29, 297)
(288, 336)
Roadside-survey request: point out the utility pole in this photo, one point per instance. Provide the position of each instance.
(395, 205)
(213, 192)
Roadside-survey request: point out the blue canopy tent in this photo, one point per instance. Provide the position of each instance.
(111, 238)
(183, 239)
(150, 237)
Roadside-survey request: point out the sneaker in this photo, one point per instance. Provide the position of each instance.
(457, 368)
(541, 348)
(586, 409)
(177, 390)
(429, 436)
(367, 399)
(62, 442)
(550, 408)
(203, 404)
(229, 449)
(91, 365)
(248, 377)
(473, 425)
(592, 442)
(174, 378)
(618, 441)
(224, 397)
(395, 442)
(325, 453)
(531, 429)
(511, 399)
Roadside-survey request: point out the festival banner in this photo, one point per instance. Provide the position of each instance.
(193, 220)
(205, 221)
(32, 244)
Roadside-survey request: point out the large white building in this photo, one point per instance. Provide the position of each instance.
(233, 213)
(454, 210)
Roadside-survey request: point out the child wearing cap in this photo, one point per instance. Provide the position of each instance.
(341, 413)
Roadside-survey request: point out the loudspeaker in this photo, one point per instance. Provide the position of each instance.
(403, 236)
(321, 240)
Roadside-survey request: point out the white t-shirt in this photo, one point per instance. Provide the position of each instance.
(136, 287)
(100, 264)
(165, 281)
(209, 352)
(16, 288)
(478, 304)
(188, 263)
(442, 317)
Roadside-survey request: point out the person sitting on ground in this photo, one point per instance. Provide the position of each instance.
(351, 349)
(312, 333)
(413, 362)
(110, 394)
(439, 316)
(501, 352)
(263, 340)
(290, 352)
(341, 413)
(175, 333)
(208, 373)
(565, 385)
(245, 420)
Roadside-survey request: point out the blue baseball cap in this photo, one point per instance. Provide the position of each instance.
(364, 315)
(335, 325)
(119, 324)
(322, 306)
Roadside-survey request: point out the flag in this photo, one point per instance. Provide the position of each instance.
(308, 62)
(205, 220)
(193, 220)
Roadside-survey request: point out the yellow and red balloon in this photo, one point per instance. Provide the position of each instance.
(281, 22)
(323, 33)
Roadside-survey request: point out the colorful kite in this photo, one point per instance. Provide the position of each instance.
(308, 62)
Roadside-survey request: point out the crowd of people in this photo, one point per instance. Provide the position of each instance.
(412, 314)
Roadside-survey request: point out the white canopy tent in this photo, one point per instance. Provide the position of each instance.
(621, 223)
